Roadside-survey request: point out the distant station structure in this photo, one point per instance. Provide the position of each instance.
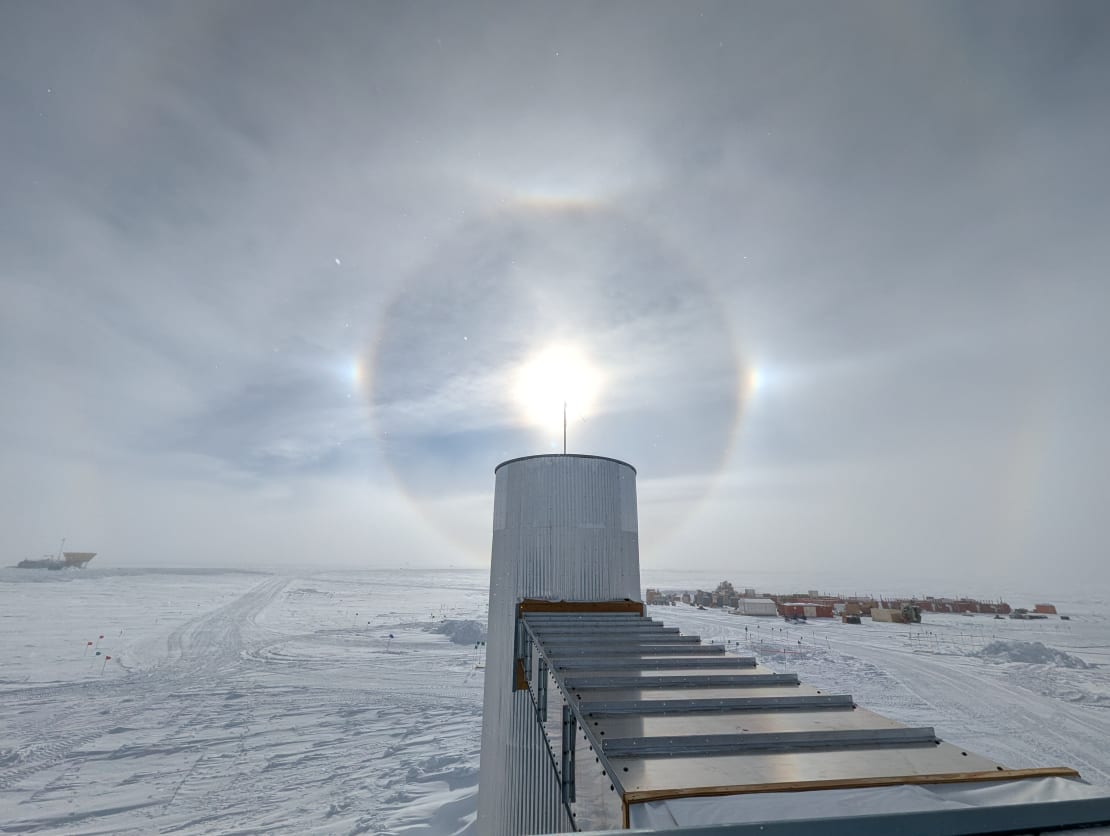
(597, 718)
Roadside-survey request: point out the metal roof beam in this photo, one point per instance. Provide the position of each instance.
(685, 649)
(578, 618)
(649, 664)
(594, 640)
(609, 631)
(817, 702)
(734, 744)
(754, 680)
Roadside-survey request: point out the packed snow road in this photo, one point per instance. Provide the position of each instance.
(237, 702)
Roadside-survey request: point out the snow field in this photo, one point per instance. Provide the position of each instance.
(243, 703)
(47, 619)
(262, 703)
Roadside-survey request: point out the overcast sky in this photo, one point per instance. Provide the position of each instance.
(278, 279)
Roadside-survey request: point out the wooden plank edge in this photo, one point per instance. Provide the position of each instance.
(520, 679)
(642, 796)
(541, 605)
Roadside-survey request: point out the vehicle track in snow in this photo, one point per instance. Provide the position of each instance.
(212, 642)
(1011, 718)
(327, 727)
(199, 648)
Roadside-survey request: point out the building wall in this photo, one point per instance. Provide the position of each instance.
(564, 528)
(756, 606)
(533, 779)
(882, 614)
(807, 609)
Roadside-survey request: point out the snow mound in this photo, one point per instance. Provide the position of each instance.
(462, 631)
(1034, 653)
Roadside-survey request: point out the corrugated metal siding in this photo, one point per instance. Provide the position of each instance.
(500, 506)
(629, 518)
(533, 780)
(564, 528)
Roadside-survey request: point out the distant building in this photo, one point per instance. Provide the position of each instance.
(755, 606)
(891, 616)
(806, 609)
(906, 614)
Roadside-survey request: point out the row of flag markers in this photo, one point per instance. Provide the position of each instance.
(96, 645)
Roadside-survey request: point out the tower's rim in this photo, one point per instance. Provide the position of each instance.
(563, 456)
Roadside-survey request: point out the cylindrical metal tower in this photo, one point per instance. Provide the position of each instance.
(564, 529)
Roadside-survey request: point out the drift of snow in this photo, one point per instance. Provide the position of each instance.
(466, 631)
(1033, 653)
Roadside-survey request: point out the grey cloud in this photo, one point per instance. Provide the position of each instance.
(894, 212)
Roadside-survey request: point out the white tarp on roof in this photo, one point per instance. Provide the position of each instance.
(831, 804)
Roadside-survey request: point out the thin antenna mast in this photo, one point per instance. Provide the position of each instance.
(564, 428)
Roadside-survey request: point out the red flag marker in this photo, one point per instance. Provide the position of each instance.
(106, 659)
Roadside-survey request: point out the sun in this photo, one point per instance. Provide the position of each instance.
(556, 375)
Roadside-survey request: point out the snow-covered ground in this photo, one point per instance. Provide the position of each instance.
(263, 703)
(238, 702)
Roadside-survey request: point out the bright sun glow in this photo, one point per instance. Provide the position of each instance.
(557, 374)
